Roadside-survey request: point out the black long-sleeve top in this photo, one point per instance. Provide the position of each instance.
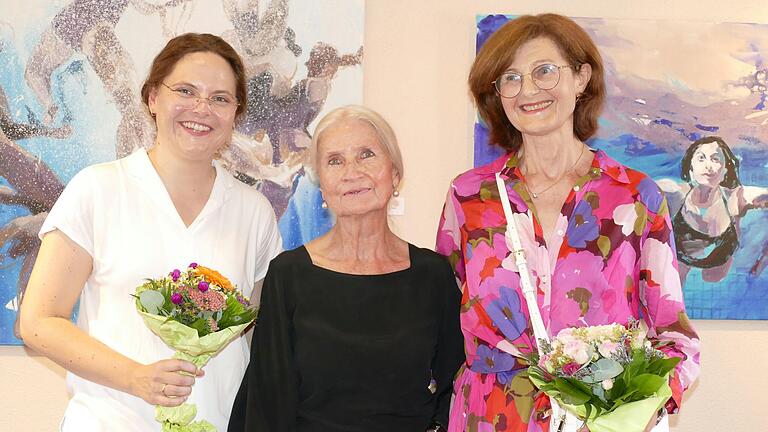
(342, 352)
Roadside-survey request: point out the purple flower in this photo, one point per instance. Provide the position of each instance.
(650, 194)
(176, 298)
(582, 227)
(175, 275)
(202, 286)
(193, 265)
(490, 360)
(505, 377)
(243, 301)
(507, 314)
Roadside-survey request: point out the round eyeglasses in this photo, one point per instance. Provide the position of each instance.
(545, 77)
(189, 97)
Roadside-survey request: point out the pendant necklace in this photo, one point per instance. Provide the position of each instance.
(535, 195)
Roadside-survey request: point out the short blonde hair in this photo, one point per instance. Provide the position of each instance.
(356, 112)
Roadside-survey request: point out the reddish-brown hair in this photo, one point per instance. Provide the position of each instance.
(497, 54)
(189, 43)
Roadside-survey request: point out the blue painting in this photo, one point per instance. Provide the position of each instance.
(687, 105)
(70, 74)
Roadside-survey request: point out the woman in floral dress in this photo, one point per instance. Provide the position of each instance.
(597, 234)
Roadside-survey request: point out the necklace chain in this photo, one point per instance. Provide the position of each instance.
(535, 195)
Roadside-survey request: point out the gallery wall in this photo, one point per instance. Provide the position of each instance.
(416, 61)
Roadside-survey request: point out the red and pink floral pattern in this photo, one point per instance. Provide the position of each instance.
(611, 257)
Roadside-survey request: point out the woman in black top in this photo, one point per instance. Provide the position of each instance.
(358, 330)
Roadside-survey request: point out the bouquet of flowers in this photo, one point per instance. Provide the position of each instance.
(610, 376)
(197, 312)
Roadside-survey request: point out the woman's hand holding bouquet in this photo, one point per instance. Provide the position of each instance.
(197, 312)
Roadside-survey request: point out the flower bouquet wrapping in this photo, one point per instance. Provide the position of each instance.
(197, 312)
(610, 377)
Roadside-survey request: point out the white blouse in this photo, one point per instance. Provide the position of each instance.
(122, 215)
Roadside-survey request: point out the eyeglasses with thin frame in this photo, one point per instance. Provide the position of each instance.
(190, 97)
(545, 77)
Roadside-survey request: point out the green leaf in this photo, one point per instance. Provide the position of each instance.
(597, 390)
(619, 386)
(572, 392)
(604, 244)
(152, 301)
(235, 313)
(202, 327)
(662, 366)
(642, 218)
(605, 368)
(636, 366)
(647, 384)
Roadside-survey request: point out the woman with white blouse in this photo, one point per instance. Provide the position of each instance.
(120, 222)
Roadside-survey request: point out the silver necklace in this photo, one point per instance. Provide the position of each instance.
(535, 195)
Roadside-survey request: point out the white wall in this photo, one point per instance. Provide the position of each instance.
(418, 53)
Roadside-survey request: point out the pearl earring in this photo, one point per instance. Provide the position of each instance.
(395, 193)
(324, 205)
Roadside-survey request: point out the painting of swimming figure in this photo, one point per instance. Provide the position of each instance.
(70, 79)
(687, 104)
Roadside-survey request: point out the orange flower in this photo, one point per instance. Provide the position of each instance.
(214, 277)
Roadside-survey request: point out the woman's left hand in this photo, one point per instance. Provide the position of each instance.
(435, 427)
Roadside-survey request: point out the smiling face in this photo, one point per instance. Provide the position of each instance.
(708, 165)
(356, 174)
(189, 128)
(541, 112)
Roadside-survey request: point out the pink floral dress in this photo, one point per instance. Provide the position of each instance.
(611, 257)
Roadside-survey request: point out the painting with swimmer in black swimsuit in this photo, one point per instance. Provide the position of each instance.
(70, 73)
(707, 207)
(687, 104)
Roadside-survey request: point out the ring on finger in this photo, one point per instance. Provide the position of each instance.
(162, 390)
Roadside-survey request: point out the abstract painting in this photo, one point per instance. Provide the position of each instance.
(70, 74)
(688, 105)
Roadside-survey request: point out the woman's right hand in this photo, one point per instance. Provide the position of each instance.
(166, 383)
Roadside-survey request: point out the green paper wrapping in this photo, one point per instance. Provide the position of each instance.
(199, 426)
(170, 420)
(181, 415)
(179, 419)
(629, 417)
(191, 347)
(186, 340)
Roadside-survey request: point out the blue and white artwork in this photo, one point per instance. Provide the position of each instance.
(70, 74)
(687, 105)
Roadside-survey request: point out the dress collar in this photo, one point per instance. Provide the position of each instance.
(509, 166)
(139, 166)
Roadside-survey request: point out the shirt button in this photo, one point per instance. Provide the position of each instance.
(560, 232)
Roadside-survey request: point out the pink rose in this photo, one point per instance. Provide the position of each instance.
(571, 368)
(607, 348)
(578, 351)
